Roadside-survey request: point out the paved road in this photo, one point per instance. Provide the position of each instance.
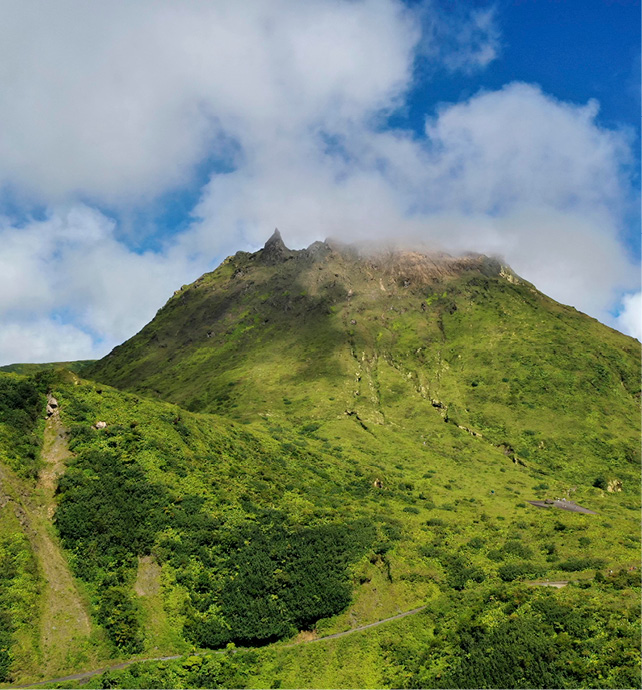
(125, 664)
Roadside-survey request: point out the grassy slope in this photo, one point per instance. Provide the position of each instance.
(31, 368)
(431, 507)
(373, 384)
(45, 629)
(313, 340)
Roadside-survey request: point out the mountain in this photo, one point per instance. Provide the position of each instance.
(29, 368)
(396, 339)
(305, 443)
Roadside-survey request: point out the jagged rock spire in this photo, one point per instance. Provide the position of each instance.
(275, 250)
(275, 239)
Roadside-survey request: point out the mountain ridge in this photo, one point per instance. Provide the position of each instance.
(304, 442)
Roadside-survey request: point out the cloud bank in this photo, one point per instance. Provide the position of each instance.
(112, 105)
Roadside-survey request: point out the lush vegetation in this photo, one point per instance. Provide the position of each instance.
(387, 340)
(257, 576)
(29, 369)
(495, 636)
(22, 406)
(19, 590)
(377, 457)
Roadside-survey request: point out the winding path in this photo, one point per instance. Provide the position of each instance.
(125, 664)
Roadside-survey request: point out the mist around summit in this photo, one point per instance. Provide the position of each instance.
(394, 442)
(176, 135)
(329, 466)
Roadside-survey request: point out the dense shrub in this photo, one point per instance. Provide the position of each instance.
(573, 564)
(277, 580)
(108, 513)
(516, 548)
(458, 573)
(512, 571)
(118, 613)
(22, 402)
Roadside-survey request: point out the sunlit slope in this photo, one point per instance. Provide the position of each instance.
(193, 530)
(31, 368)
(403, 341)
(255, 531)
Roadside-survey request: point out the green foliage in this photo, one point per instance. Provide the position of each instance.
(109, 512)
(574, 564)
(30, 369)
(279, 580)
(259, 580)
(118, 613)
(228, 670)
(514, 571)
(22, 404)
(459, 574)
(19, 589)
(517, 548)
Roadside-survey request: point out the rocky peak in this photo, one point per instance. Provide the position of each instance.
(275, 251)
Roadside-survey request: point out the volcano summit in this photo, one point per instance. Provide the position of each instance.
(390, 449)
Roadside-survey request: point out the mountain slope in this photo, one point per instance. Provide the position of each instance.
(309, 442)
(400, 340)
(244, 529)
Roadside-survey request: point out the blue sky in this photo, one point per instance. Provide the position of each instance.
(576, 50)
(140, 143)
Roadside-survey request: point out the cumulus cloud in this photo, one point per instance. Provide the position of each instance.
(629, 320)
(120, 100)
(72, 290)
(513, 172)
(113, 104)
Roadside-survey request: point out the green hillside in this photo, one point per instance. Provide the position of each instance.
(28, 369)
(305, 443)
(401, 342)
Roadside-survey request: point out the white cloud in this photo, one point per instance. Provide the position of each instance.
(629, 320)
(117, 102)
(70, 286)
(513, 172)
(44, 340)
(464, 38)
(120, 100)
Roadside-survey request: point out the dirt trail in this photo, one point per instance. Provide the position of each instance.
(65, 622)
(148, 578)
(54, 453)
(125, 664)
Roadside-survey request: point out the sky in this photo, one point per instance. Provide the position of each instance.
(143, 142)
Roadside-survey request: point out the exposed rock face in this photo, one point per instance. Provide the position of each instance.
(318, 250)
(52, 405)
(275, 251)
(402, 267)
(614, 485)
(100, 425)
